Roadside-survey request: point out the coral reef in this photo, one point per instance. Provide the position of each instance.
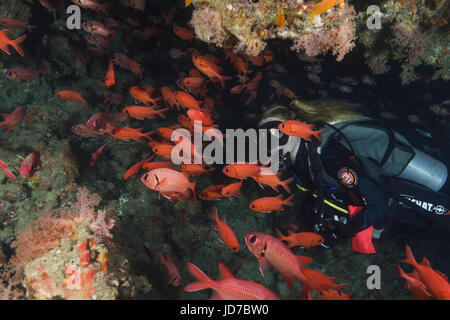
(68, 254)
(245, 26)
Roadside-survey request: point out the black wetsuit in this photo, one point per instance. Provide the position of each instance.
(335, 175)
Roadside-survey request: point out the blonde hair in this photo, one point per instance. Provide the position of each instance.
(330, 111)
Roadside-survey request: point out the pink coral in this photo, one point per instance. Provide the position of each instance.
(100, 221)
(48, 230)
(339, 40)
(408, 38)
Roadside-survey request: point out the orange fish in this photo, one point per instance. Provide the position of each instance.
(226, 233)
(70, 95)
(14, 23)
(228, 287)
(232, 190)
(333, 294)
(195, 169)
(242, 170)
(301, 239)
(110, 78)
(318, 278)
(273, 181)
(164, 151)
(155, 165)
(210, 69)
(169, 97)
(417, 288)
(6, 171)
(167, 180)
(199, 116)
(184, 122)
(299, 129)
(166, 132)
(14, 118)
(125, 62)
(174, 276)
(5, 42)
(187, 101)
(98, 153)
(187, 3)
(269, 204)
(193, 82)
(321, 7)
(213, 192)
(271, 251)
(140, 94)
(22, 74)
(139, 112)
(241, 66)
(126, 133)
(136, 167)
(281, 20)
(436, 283)
(30, 164)
(184, 33)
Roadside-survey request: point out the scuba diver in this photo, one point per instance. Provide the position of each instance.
(361, 176)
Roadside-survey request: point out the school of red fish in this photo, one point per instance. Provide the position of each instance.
(191, 99)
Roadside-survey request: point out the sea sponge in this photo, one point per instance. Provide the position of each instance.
(208, 26)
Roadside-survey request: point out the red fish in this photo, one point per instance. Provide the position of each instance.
(163, 150)
(97, 28)
(139, 112)
(199, 116)
(125, 62)
(232, 190)
(242, 170)
(22, 74)
(155, 165)
(14, 23)
(320, 279)
(70, 95)
(210, 69)
(98, 153)
(271, 251)
(126, 133)
(269, 204)
(302, 239)
(417, 288)
(86, 131)
(93, 5)
(5, 42)
(135, 168)
(333, 294)
(213, 192)
(141, 95)
(167, 180)
(184, 33)
(6, 171)
(228, 287)
(299, 129)
(187, 101)
(436, 283)
(169, 97)
(273, 181)
(30, 164)
(99, 120)
(110, 78)
(14, 118)
(195, 169)
(174, 276)
(226, 233)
